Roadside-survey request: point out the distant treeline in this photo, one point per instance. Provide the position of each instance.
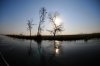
(59, 37)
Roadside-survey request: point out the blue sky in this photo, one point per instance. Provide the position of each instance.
(78, 16)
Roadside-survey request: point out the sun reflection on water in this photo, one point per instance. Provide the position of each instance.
(57, 51)
(57, 45)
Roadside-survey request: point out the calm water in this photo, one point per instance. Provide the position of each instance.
(18, 52)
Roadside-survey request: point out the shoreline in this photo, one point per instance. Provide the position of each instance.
(59, 37)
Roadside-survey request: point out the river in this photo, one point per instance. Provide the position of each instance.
(19, 52)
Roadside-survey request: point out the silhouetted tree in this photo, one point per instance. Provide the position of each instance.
(56, 28)
(42, 14)
(29, 24)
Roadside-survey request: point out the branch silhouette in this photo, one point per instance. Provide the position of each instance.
(42, 14)
(29, 24)
(56, 28)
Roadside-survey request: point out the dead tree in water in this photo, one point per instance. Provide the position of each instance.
(56, 28)
(42, 14)
(29, 24)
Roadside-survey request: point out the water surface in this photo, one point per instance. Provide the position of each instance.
(18, 52)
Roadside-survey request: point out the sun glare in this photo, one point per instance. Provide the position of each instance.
(58, 21)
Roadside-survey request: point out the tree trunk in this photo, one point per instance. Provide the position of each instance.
(30, 33)
(38, 33)
(54, 34)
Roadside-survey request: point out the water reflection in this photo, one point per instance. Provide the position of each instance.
(57, 45)
(39, 46)
(41, 53)
(30, 49)
(44, 57)
(49, 53)
(56, 52)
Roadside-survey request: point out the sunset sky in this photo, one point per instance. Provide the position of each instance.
(78, 16)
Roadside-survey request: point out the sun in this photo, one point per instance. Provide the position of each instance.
(58, 21)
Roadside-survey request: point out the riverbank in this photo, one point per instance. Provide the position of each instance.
(59, 37)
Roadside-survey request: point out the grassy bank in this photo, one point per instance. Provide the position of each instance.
(59, 37)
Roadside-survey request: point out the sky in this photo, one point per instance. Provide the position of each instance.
(78, 16)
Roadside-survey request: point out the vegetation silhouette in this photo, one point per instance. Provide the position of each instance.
(29, 24)
(56, 28)
(60, 37)
(42, 17)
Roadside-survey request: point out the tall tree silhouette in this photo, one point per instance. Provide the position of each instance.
(56, 28)
(42, 14)
(29, 24)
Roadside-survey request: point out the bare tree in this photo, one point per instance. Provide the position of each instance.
(56, 28)
(29, 24)
(42, 14)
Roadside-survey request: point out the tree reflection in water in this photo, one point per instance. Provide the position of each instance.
(56, 52)
(41, 53)
(49, 59)
(30, 49)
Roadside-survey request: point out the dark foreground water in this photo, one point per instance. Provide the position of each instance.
(17, 52)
